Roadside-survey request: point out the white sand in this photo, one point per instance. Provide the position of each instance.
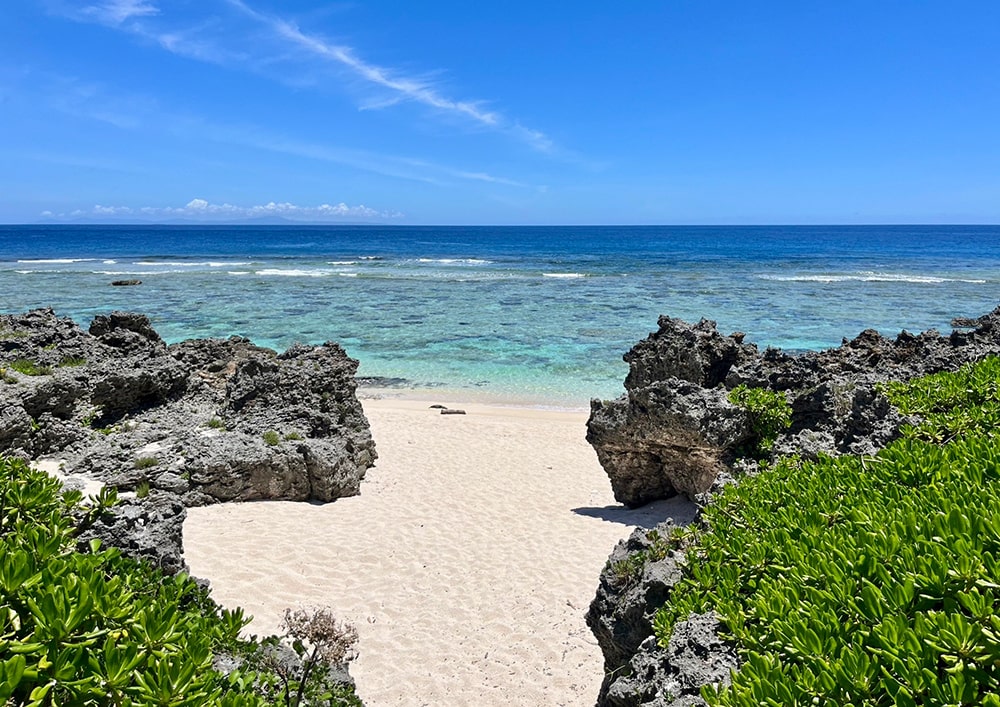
(467, 562)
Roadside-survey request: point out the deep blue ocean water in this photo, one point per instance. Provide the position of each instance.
(530, 314)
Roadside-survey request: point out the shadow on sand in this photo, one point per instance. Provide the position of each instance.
(679, 508)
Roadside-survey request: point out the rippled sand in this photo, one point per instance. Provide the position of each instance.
(467, 562)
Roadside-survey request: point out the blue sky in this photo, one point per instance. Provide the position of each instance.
(669, 112)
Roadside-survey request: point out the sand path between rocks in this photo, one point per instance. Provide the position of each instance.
(467, 562)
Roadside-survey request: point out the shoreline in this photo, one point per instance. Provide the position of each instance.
(466, 563)
(466, 398)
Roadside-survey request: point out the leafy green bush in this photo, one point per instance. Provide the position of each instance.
(271, 438)
(864, 580)
(146, 462)
(951, 403)
(215, 424)
(770, 414)
(29, 367)
(99, 629)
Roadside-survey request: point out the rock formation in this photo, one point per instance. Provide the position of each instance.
(674, 431)
(197, 422)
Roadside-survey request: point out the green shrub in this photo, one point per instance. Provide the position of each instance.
(863, 580)
(72, 361)
(770, 414)
(29, 367)
(95, 628)
(142, 489)
(271, 438)
(215, 424)
(146, 462)
(951, 404)
(292, 436)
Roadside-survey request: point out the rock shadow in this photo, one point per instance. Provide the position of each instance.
(679, 508)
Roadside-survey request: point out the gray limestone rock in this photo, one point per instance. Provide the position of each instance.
(620, 616)
(674, 429)
(669, 437)
(149, 528)
(198, 422)
(697, 353)
(673, 677)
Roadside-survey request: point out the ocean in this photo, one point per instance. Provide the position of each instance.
(538, 315)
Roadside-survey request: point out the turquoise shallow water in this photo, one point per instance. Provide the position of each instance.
(522, 314)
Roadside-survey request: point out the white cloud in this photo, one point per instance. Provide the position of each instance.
(403, 87)
(203, 210)
(208, 42)
(111, 210)
(115, 12)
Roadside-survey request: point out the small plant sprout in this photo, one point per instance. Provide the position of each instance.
(146, 462)
(215, 424)
(271, 438)
(142, 489)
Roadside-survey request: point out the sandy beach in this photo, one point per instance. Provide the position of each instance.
(467, 562)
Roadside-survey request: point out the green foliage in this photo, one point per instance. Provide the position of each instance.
(146, 462)
(72, 361)
(271, 438)
(292, 436)
(951, 404)
(215, 424)
(142, 489)
(770, 414)
(89, 629)
(864, 580)
(29, 367)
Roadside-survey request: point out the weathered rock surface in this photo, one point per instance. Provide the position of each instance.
(638, 672)
(668, 437)
(619, 615)
(674, 432)
(149, 528)
(197, 422)
(674, 428)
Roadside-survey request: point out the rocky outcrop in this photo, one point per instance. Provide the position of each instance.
(194, 423)
(149, 528)
(674, 431)
(636, 581)
(667, 437)
(619, 615)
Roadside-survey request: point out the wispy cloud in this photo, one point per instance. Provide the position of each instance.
(214, 42)
(203, 210)
(397, 166)
(89, 100)
(404, 87)
(115, 12)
